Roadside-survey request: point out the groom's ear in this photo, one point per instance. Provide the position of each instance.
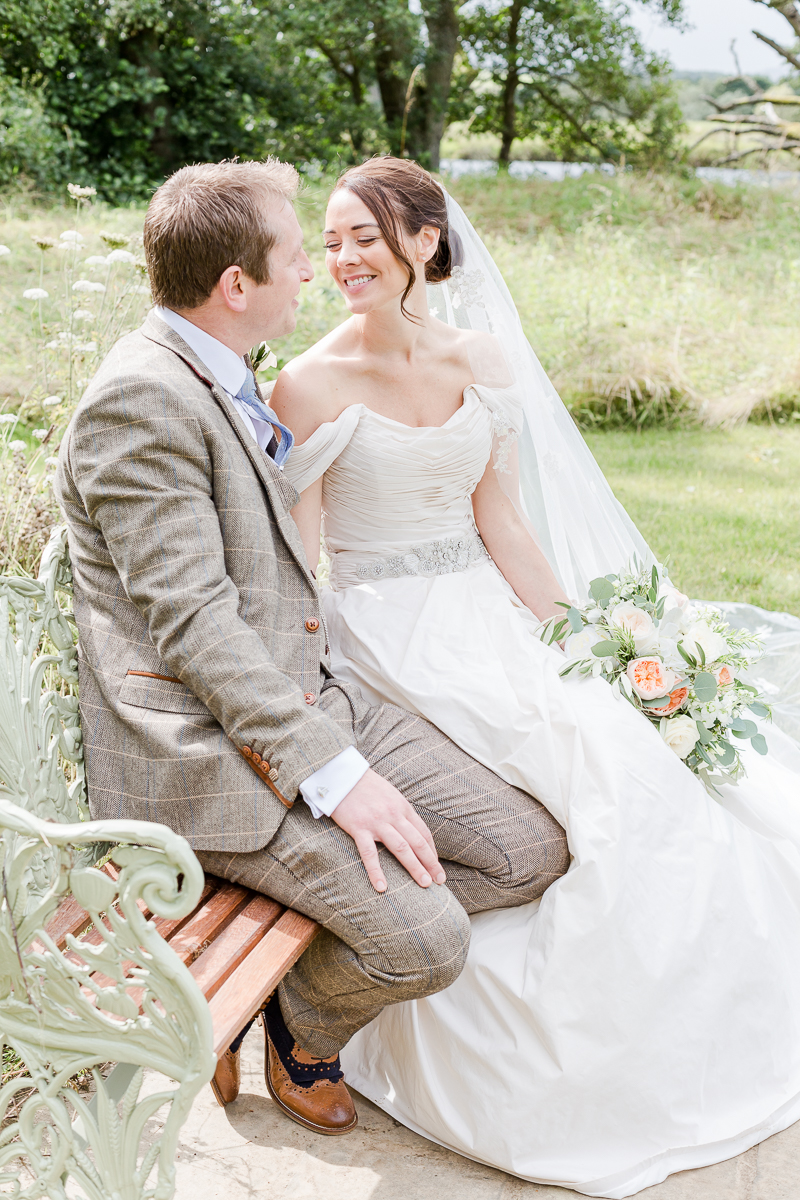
(232, 289)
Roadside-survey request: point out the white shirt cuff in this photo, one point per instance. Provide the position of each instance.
(328, 786)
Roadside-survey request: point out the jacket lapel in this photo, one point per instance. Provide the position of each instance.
(282, 495)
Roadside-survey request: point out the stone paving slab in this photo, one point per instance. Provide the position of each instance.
(250, 1151)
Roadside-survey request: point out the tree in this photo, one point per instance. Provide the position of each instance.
(141, 86)
(761, 118)
(573, 71)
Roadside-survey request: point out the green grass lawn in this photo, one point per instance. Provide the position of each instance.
(659, 286)
(723, 507)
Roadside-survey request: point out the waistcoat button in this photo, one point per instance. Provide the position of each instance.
(247, 752)
(310, 698)
(312, 625)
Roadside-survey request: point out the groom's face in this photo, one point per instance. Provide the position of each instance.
(272, 306)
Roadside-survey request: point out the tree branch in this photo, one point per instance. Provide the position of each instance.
(787, 54)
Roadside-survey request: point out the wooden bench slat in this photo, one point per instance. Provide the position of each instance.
(168, 928)
(69, 918)
(223, 956)
(209, 921)
(244, 992)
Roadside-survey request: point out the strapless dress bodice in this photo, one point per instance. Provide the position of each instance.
(396, 494)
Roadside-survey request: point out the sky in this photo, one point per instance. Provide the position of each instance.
(706, 46)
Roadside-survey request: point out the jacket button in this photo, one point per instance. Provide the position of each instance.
(247, 752)
(256, 759)
(310, 698)
(312, 625)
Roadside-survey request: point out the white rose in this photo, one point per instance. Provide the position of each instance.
(636, 621)
(579, 645)
(681, 735)
(674, 598)
(700, 634)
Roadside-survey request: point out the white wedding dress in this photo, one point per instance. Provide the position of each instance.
(643, 1017)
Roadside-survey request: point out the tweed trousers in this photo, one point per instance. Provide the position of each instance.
(498, 846)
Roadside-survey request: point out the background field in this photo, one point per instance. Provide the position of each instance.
(663, 308)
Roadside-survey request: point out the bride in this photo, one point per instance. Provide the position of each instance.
(643, 1017)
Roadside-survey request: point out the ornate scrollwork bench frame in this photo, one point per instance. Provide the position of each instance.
(116, 993)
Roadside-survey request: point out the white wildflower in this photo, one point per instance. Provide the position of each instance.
(40, 434)
(123, 256)
(16, 445)
(51, 401)
(8, 419)
(80, 193)
(82, 314)
(51, 462)
(35, 294)
(95, 260)
(114, 240)
(86, 347)
(4, 250)
(86, 285)
(71, 237)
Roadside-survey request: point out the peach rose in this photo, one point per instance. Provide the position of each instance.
(676, 699)
(650, 678)
(724, 676)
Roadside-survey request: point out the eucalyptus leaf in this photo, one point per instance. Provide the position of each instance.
(705, 686)
(605, 649)
(744, 728)
(686, 655)
(705, 736)
(728, 755)
(758, 708)
(700, 752)
(601, 590)
(575, 620)
(759, 743)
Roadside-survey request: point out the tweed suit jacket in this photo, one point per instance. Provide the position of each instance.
(202, 652)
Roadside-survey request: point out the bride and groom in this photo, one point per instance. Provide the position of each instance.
(399, 752)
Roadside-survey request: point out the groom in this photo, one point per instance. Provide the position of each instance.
(207, 699)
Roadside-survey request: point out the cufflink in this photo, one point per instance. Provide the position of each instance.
(322, 792)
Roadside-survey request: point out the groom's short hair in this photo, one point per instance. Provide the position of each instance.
(208, 217)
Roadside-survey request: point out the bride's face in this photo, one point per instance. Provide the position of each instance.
(358, 258)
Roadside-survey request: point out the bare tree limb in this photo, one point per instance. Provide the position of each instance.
(787, 54)
(787, 9)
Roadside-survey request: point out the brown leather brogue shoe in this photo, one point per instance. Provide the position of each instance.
(324, 1104)
(227, 1078)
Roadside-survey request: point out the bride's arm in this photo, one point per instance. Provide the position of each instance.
(513, 549)
(307, 515)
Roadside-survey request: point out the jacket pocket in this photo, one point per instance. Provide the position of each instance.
(148, 690)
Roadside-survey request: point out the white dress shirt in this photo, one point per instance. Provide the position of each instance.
(328, 786)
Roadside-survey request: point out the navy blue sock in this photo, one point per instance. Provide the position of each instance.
(303, 1074)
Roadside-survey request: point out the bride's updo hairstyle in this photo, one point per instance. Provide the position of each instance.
(402, 196)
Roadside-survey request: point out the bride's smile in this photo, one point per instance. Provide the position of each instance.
(367, 269)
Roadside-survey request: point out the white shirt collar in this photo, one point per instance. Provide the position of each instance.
(224, 364)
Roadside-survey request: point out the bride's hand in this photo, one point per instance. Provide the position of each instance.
(374, 811)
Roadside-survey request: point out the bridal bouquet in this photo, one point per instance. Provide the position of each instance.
(679, 664)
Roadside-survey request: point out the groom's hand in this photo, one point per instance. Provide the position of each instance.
(374, 811)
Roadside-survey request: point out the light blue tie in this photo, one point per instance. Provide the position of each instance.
(249, 397)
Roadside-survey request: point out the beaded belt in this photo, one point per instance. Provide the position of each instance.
(440, 557)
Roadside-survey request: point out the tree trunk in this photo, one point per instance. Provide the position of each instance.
(441, 19)
(508, 128)
(141, 50)
(392, 61)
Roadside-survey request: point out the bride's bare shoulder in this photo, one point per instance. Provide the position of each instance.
(310, 389)
(479, 352)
